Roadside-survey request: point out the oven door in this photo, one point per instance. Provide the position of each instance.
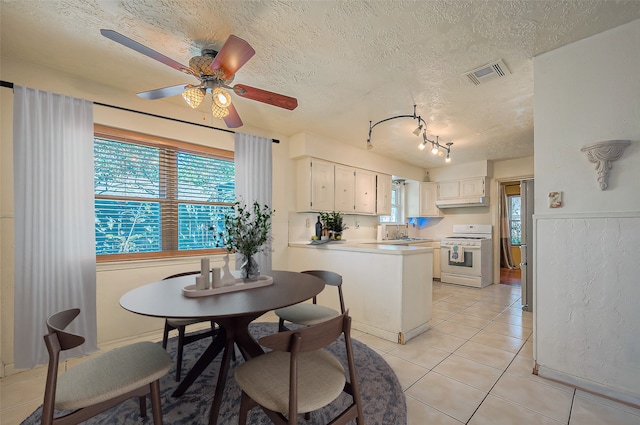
(471, 266)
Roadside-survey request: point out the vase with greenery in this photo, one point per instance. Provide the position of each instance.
(247, 232)
(334, 222)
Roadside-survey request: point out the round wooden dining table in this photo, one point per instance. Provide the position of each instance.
(232, 311)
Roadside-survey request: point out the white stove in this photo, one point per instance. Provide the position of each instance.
(467, 256)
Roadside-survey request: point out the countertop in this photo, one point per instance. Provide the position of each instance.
(374, 247)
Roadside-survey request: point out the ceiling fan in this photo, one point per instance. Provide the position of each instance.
(215, 71)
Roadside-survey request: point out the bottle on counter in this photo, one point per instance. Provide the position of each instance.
(318, 228)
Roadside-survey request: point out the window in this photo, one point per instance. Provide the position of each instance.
(156, 197)
(515, 223)
(396, 205)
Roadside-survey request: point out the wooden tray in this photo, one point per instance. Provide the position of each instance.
(190, 291)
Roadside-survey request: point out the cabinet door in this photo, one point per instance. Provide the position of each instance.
(314, 185)
(449, 190)
(428, 193)
(344, 188)
(421, 199)
(365, 192)
(383, 194)
(472, 187)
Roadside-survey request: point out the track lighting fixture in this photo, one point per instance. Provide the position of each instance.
(422, 127)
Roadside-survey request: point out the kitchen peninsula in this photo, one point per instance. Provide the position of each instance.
(387, 288)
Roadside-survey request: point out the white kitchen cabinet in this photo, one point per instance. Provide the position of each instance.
(315, 185)
(355, 190)
(365, 192)
(344, 188)
(388, 290)
(464, 188)
(449, 190)
(326, 186)
(383, 194)
(421, 199)
(472, 187)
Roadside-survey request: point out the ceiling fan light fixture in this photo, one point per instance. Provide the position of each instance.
(193, 95)
(221, 97)
(219, 112)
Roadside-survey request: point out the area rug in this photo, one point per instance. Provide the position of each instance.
(382, 396)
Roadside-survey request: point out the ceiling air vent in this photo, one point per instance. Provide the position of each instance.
(487, 72)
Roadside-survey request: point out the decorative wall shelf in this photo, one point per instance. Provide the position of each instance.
(603, 154)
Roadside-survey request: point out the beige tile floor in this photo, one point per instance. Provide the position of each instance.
(473, 366)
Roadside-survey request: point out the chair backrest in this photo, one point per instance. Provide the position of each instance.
(181, 274)
(309, 338)
(329, 278)
(56, 324)
(57, 340)
(312, 338)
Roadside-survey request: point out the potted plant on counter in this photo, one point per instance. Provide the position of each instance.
(334, 222)
(247, 232)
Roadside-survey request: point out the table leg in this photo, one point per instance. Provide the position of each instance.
(237, 332)
(205, 360)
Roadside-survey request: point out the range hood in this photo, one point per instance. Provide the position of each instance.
(482, 201)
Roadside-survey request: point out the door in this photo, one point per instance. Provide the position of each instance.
(526, 248)
(344, 189)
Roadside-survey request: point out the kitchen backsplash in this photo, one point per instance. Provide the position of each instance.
(360, 227)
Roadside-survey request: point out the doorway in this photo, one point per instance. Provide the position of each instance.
(511, 222)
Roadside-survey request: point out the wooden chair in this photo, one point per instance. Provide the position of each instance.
(298, 376)
(171, 323)
(311, 314)
(101, 382)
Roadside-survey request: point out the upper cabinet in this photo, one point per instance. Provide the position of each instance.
(421, 199)
(383, 194)
(365, 192)
(472, 187)
(315, 185)
(355, 190)
(465, 188)
(325, 186)
(462, 193)
(345, 186)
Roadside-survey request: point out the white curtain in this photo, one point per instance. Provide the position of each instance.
(55, 263)
(253, 179)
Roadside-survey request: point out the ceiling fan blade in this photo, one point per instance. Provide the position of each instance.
(234, 53)
(264, 96)
(140, 48)
(163, 92)
(233, 119)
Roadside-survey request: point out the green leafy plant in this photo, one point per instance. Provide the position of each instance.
(247, 231)
(333, 221)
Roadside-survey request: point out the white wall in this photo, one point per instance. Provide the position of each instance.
(587, 255)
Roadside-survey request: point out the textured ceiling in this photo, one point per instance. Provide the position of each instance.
(347, 62)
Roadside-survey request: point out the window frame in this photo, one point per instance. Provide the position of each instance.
(128, 136)
(399, 188)
(511, 220)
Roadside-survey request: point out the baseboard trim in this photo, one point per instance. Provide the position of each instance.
(589, 387)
